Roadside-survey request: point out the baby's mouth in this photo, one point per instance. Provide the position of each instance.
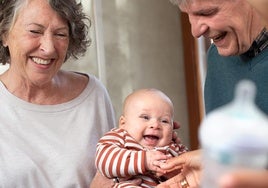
(151, 139)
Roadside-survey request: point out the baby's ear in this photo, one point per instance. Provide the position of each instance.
(122, 121)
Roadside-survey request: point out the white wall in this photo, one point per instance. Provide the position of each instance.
(138, 44)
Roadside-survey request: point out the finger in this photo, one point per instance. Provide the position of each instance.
(159, 156)
(191, 159)
(158, 163)
(162, 185)
(172, 162)
(170, 168)
(157, 168)
(192, 176)
(159, 171)
(172, 182)
(176, 125)
(175, 137)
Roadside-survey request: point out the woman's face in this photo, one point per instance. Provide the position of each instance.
(37, 42)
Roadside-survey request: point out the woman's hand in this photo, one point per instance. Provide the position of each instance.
(191, 159)
(190, 165)
(245, 179)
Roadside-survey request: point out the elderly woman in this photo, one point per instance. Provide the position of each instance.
(50, 119)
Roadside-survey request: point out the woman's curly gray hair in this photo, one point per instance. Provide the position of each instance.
(70, 10)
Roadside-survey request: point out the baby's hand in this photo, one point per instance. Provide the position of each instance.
(167, 173)
(150, 161)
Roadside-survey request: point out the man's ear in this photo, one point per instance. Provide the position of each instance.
(122, 121)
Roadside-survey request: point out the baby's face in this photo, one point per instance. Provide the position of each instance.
(149, 120)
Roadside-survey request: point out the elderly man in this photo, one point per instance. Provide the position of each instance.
(239, 50)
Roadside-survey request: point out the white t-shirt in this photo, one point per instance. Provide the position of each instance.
(43, 146)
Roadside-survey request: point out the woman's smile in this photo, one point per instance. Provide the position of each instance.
(41, 61)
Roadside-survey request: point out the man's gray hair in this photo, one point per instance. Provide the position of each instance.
(175, 2)
(180, 2)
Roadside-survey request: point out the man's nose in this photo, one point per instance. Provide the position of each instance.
(198, 26)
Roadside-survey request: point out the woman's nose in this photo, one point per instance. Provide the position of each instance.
(47, 44)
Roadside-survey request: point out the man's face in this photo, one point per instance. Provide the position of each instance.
(228, 23)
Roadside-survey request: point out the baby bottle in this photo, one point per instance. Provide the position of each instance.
(234, 136)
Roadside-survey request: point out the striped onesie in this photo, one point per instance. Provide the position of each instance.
(119, 155)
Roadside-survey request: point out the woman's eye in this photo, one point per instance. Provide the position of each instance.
(35, 31)
(61, 35)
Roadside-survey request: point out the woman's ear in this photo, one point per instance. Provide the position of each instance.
(122, 121)
(4, 40)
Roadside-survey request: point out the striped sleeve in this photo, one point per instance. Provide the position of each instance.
(113, 159)
(178, 148)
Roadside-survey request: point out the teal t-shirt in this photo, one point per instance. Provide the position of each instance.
(223, 73)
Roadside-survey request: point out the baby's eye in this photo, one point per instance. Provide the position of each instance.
(145, 117)
(165, 121)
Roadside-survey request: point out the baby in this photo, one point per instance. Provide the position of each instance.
(144, 137)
